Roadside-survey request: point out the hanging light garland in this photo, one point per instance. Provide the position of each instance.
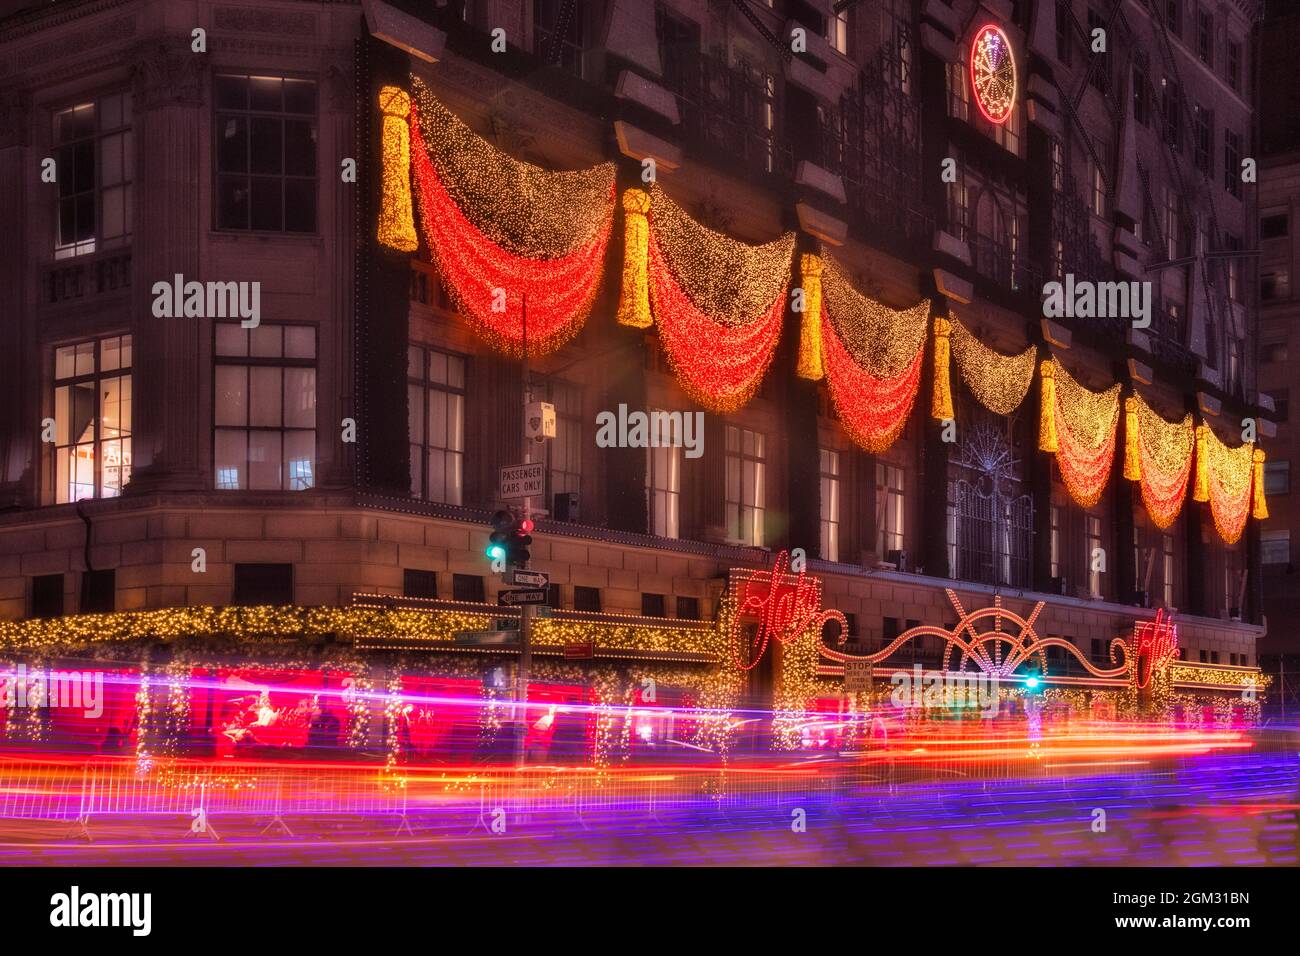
(396, 227)
(1158, 455)
(1079, 425)
(871, 355)
(1224, 478)
(506, 235)
(998, 382)
(718, 303)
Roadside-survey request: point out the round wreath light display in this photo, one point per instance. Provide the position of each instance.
(993, 74)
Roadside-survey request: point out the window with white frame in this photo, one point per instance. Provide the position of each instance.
(563, 453)
(746, 464)
(1054, 539)
(264, 407)
(1275, 546)
(663, 477)
(435, 386)
(94, 151)
(92, 420)
(890, 508)
(837, 31)
(1167, 567)
(829, 466)
(1094, 554)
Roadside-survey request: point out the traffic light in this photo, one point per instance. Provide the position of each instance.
(498, 549)
(509, 542)
(520, 539)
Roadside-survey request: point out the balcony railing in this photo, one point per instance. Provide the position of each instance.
(731, 111)
(74, 279)
(1005, 266)
(873, 141)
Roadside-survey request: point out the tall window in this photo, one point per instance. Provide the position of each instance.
(1099, 186)
(1167, 567)
(435, 388)
(1054, 540)
(265, 153)
(1063, 18)
(92, 419)
(1173, 225)
(663, 478)
(746, 485)
(1142, 92)
(830, 504)
(564, 451)
(890, 508)
(837, 31)
(1174, 16)
(1232, 162)
(1205, 36)
(560, 34)
(1092, 538)
(1234, 65)
(1203, 146)
(1172, 112)
(264, 407)
(95, 157)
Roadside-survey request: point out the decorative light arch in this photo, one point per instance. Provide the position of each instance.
(993, 74)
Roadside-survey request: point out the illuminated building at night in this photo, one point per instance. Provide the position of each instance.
(831, 232)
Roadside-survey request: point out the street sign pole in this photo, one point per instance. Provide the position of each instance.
(527, 611)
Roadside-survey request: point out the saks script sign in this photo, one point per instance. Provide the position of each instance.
(785, 606)
(1156, 646)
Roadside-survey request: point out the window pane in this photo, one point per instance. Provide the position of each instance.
(266, 204)
(231, 453)
(264, 93)
(265, 341)
(456, 425)
(264, 405)
(299, 460)
(232, 202)
(300, 205)
(299, 341)
(299, 148)
(231, 395)
(437, 418)
(110, 354)
(414, 356)
(415, 420)
(300, 397)
(65, 361)
(231, 339)
(299, 96)
(232, 144)
(266, 138)
(264, 459)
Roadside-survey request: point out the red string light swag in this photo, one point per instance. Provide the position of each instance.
(501, 230)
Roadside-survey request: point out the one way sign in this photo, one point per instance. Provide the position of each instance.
(522, 596)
